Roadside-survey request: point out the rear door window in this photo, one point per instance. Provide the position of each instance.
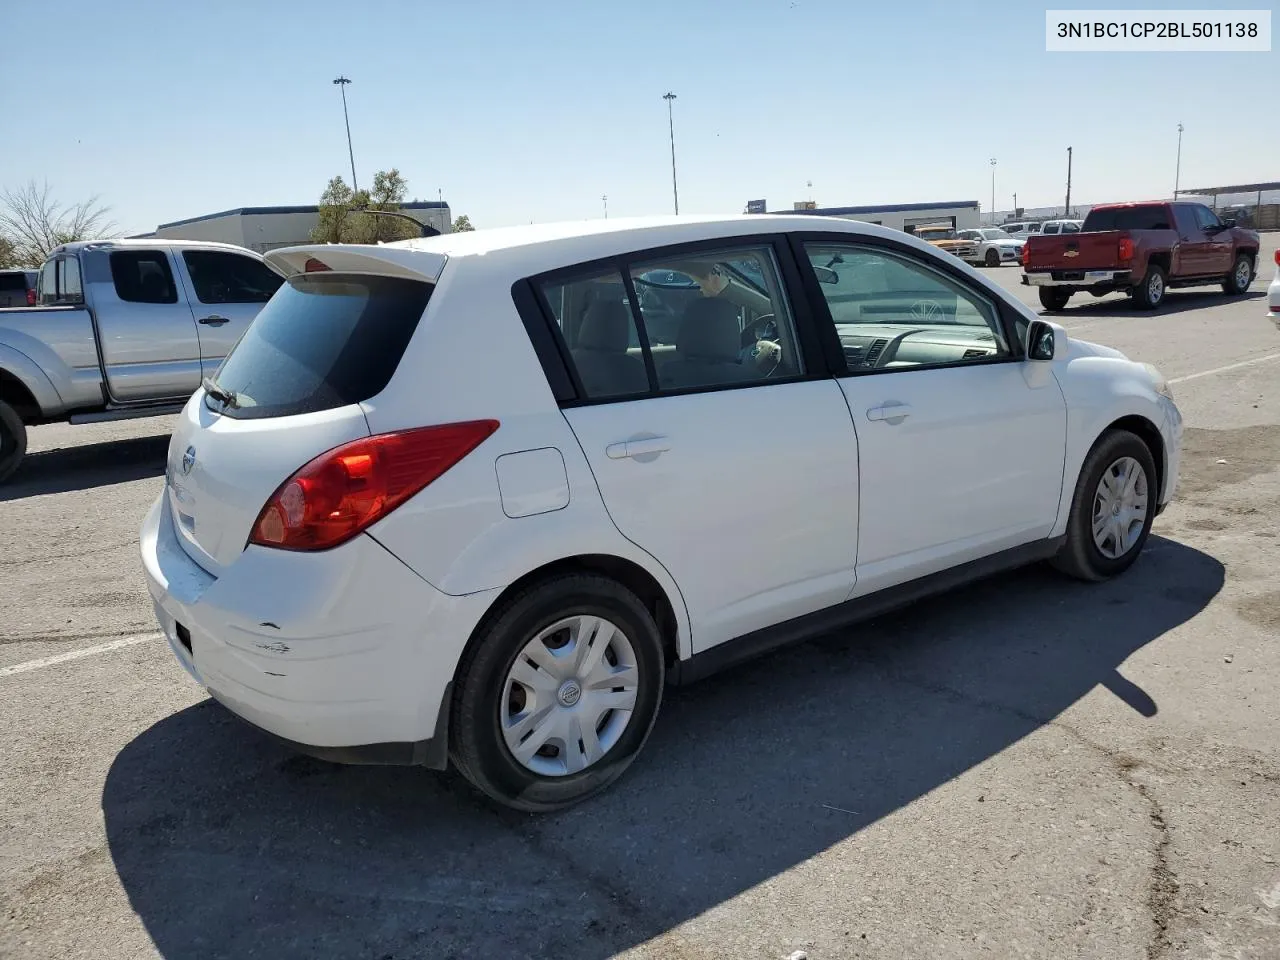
(323, 341)
(143, 276)
(1154, 217)
(230, 277)
(13, 282)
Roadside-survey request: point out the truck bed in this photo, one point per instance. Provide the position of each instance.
(1074, 251)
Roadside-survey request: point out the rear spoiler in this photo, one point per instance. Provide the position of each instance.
(384, 260)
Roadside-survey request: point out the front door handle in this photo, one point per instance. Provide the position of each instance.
(644, 449)
(891, 412)
(215, 320)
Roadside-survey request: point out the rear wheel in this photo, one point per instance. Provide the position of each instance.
(13, 441)
(1054, 298)
(992, 258)
(1112, 508)
(1150, 293)
(558, 695)
(1240, 277)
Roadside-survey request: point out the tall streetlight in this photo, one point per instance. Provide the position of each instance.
(342, 85)
(671, 126)
(993, 191)
(1066, 210)
(1177, 174)
(604, 198)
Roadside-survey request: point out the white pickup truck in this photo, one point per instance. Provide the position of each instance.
(122, 329)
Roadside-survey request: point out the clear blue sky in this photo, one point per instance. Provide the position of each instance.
(525, 111)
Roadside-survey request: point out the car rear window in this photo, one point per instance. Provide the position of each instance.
(322, 341)
(13, 281)
(1155, 217)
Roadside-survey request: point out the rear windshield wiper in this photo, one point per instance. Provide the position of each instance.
(227, 397)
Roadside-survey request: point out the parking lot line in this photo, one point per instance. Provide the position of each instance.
(1227, 368)
(97, 648)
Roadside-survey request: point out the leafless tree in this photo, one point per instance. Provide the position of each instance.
(34, 222)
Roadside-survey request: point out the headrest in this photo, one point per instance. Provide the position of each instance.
(709, 330)
(606, 327)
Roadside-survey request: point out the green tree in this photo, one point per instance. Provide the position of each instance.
(462, 224)
(8, 253)
(342, 222)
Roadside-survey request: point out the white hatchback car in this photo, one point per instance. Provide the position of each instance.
(477, 498)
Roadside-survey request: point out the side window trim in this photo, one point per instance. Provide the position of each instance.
(539, 319)
(827, 328)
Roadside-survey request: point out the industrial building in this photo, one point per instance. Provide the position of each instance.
(960, 214)
(266, 228)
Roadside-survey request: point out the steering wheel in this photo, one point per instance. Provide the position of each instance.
(928, 311)
(760, 344)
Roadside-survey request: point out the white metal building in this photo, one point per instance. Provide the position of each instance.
(960, 214)
(266, 228)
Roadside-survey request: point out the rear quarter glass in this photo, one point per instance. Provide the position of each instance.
(324, 340)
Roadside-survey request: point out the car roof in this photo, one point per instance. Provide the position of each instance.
(1136, 203)
(148, 243)
(537, 248)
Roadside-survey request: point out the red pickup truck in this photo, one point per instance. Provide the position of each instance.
(1142, 249)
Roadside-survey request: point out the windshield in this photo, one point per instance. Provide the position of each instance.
(995, 235)
(323, 341)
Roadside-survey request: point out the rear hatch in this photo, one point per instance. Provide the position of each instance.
(292, 387)
(1073, 251)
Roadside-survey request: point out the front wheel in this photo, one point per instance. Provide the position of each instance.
(1241, 276)
(993, 258)
(1112, 508)
(13, 441)
(558, 695)
(1054, 298)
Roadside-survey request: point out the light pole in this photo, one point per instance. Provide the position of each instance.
(342, 85)
(1066, 212)
(604, 198)
(1177, 174)
(671, 126)
(993, 191)
(1015, 204)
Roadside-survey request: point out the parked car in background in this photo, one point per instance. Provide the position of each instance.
(992, 246)
(946, 238)
(1142, 249)
(1021, 228)
(1273, 295)
(18, 288)
(1051, 227)
(435, 508)
(122, 329)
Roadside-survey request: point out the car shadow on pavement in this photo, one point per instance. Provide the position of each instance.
(87, 466)
(1176, 301)
(228, 846)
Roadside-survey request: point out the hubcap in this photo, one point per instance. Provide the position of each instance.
(1120, 508)
(569, 696)
(1155, 287)
(1243, 272)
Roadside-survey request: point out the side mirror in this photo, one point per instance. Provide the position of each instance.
(1228, 223)
(1041, 341)
(826, 274)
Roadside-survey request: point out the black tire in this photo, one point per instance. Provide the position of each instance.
(476, 744)
(1054, 298)
(13, 441)
(1149, 294)
(992, 258)
(1080, 556)
(1241, 275)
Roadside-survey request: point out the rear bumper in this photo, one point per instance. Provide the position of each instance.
(1171, 434)
(344, 654)
(1273, 301)
(1077, 278)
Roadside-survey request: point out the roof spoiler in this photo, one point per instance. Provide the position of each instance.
(383, 260)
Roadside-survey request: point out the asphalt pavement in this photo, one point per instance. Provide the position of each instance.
(1030, 767)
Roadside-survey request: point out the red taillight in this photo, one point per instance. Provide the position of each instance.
(1026, 254)
(1278, 256)
(343, 491)
(31, 297)
(1125, 249)
(314, 266)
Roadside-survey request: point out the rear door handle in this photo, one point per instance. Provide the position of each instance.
(215, 320)
(643, 449)
(892, 412)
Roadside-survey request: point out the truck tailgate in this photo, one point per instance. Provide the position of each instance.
(1075, 251)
